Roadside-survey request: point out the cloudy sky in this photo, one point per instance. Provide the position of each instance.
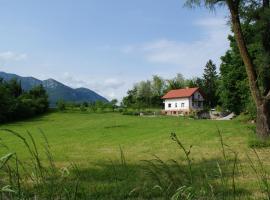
(108, 45)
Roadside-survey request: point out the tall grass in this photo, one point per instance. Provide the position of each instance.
(39, 177)
(35, 178)
(208, 179)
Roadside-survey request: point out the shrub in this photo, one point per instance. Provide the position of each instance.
(61, 105)
(134, 113)
(193, 115)
(83, 108)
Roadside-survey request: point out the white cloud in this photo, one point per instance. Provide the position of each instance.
(112, 95)
(211, 22)
(12, 56)
(112, 83)
(188, 57)
(107, 87)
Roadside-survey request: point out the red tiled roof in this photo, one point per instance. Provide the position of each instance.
(179, 93)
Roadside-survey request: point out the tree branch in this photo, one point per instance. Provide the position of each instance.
(236, 3)
(268, 95)
(266, 3)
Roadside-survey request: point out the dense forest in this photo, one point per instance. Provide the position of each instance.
(15, 103)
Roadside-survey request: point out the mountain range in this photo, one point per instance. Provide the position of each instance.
(56, 90)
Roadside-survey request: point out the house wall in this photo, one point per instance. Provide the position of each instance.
(190, 103)
(195, 105)
(197, 95)
(176, 104)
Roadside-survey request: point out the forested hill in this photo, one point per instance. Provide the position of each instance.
(56, 90)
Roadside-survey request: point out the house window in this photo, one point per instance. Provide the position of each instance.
(169, 105)
(192, 104)
(176, 105)
(182, 105)
(199, 96)
(199, 104)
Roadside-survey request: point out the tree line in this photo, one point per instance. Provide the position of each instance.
(147, 94)
(95, 106)
(226, 91)
(15, 103)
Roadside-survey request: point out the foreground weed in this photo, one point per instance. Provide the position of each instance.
(33, 179)
(215, 179)
(173, 179)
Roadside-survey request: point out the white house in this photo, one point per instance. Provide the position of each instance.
(183, 101)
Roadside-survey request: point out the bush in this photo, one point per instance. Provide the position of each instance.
(121, 110)
(193, 115)
(134, 113)
(61, 105)
(83, 108)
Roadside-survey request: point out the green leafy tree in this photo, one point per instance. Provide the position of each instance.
(176, 83)
(18, 104)
(233, 88)
(158, 88)
(85, 104)
(257, 14)
(5, 102)
(92, 106)
(210, 83)
(40, 99)
(130, 100)
(147, 94)
(100, 105)
(15, 88)
(144, 94)
(113, 104)
(158, 85)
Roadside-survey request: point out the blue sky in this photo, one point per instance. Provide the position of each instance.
(108, 45)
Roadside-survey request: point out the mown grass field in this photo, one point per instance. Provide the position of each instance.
(93, 142)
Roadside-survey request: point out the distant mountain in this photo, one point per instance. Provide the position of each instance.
(56, 90)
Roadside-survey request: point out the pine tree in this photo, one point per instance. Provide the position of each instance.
(210, 83)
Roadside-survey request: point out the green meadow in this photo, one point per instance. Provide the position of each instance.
(111, 151)
(89, 138)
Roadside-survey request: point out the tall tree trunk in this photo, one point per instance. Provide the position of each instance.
(262, 104)
(263, 120)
